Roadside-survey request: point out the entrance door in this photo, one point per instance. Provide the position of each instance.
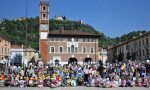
(72, 60)
(56, 60)
(87, 60)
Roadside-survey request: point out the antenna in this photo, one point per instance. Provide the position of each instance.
(26, 25)
(26, 22)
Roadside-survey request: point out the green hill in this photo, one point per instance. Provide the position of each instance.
(14, 30)
(107, 41)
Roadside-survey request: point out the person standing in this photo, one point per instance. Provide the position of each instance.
(86, 72)
(148, 72)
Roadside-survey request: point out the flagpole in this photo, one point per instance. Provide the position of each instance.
(26, 31)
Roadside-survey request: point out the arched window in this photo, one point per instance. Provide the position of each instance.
(43, 16)
(60, 49)
(84, 50)
(44, 8)
(92, 50)
(72, 48)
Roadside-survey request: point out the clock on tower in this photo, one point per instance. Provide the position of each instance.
(44, 19)
(44, 27)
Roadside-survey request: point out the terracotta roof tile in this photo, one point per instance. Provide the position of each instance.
(71, 33)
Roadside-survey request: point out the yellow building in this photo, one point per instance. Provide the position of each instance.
(4, 50)
(137, 48)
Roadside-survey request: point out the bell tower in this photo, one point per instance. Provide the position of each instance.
(44, 29)
(44, 19)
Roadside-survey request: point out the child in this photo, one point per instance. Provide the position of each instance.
(123, 83)
(98, 80)
(16, 83)
(79, 79)
(139, 82)
(1, 82)
(35, 81)
(114, 83)
(148, 81)
(73, 82)
(40, 82)
(54, 83)
(108, 83)
(7, 82)
(58, 80)
(93, 82)
(31, 83)
(68, 81)
(129, 83)
(119, 82)
(47, 81)
(116, 80)
(89, 80)
(21, 82)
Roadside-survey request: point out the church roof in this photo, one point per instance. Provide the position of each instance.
(71, 33)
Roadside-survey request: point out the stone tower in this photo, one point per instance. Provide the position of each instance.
(44, 29)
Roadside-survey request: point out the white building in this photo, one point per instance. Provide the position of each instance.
(20, 56)
(104, 55)
(59, 18)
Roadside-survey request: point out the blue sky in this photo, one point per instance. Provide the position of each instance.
(112, 17)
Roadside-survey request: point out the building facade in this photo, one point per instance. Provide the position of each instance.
(63, 46)
(66, 44)
(137, 48)
(5, 46)
(22, 56)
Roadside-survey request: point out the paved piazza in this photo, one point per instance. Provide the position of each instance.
(75, 88)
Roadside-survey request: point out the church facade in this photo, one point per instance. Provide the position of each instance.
(65, 46)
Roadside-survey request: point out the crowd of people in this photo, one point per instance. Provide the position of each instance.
(125, 74)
